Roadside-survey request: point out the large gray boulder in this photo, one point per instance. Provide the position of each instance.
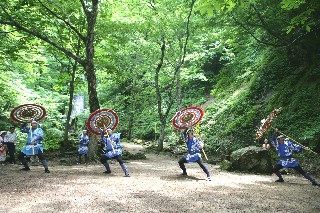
(251, 159)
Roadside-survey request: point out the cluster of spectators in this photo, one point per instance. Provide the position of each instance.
(8, 140)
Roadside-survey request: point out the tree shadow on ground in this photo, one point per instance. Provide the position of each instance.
(178, 177)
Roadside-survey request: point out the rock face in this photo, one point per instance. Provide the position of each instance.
(251, 159)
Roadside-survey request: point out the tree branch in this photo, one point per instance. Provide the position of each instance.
(13, 23)
(156, 78)
(46, 39)
(182, 57)
(265, 25)
(187, 35)
(68, 23)
(250, 33)
(84, 7)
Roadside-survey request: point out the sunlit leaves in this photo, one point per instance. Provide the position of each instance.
(210, 7)
(303, 19)
(300, 13)
(291, 4)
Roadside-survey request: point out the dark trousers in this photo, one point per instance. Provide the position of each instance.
(11, 150)
(277, 167)
(85, 158)
(25, 162)
(104, 159)
(182, 161)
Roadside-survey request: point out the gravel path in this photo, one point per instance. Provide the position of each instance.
(154, 186)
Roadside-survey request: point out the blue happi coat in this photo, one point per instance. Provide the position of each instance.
(36, 136)
(285, 151)
(113, 146)
(83, 144)
(193, 145)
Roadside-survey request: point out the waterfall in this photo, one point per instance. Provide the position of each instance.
(78, 105)
(77, 108)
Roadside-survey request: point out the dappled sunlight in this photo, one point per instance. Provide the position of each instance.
(140, 163)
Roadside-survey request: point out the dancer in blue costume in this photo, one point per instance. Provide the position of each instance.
(194, 146)
(83, 146)
(113, 150)
(33, 145)
(285, 149)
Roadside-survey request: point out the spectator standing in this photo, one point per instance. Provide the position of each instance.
(3, 150)
(11, 144)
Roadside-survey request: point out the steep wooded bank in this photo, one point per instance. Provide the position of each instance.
(247, 91)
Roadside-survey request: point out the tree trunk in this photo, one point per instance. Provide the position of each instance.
(179, 96)
(162, 134)
(71, 94)
(175, 77)
(130, 125)
(132, 109)
(158, 94)
(93, 147)
(89, 65)
(91, 14)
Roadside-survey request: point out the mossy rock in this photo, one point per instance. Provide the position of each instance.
(129, 156)
(251, 159)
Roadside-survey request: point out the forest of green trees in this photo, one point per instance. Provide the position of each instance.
(238, 60)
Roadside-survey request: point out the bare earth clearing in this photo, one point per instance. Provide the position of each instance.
(154, 186)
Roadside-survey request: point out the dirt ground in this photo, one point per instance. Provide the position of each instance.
(154, 186)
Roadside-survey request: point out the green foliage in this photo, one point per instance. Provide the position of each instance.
(273, 82)
(290, 4)
(226, 165)
(243, 60)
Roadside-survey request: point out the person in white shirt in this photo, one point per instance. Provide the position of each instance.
(11, 144)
